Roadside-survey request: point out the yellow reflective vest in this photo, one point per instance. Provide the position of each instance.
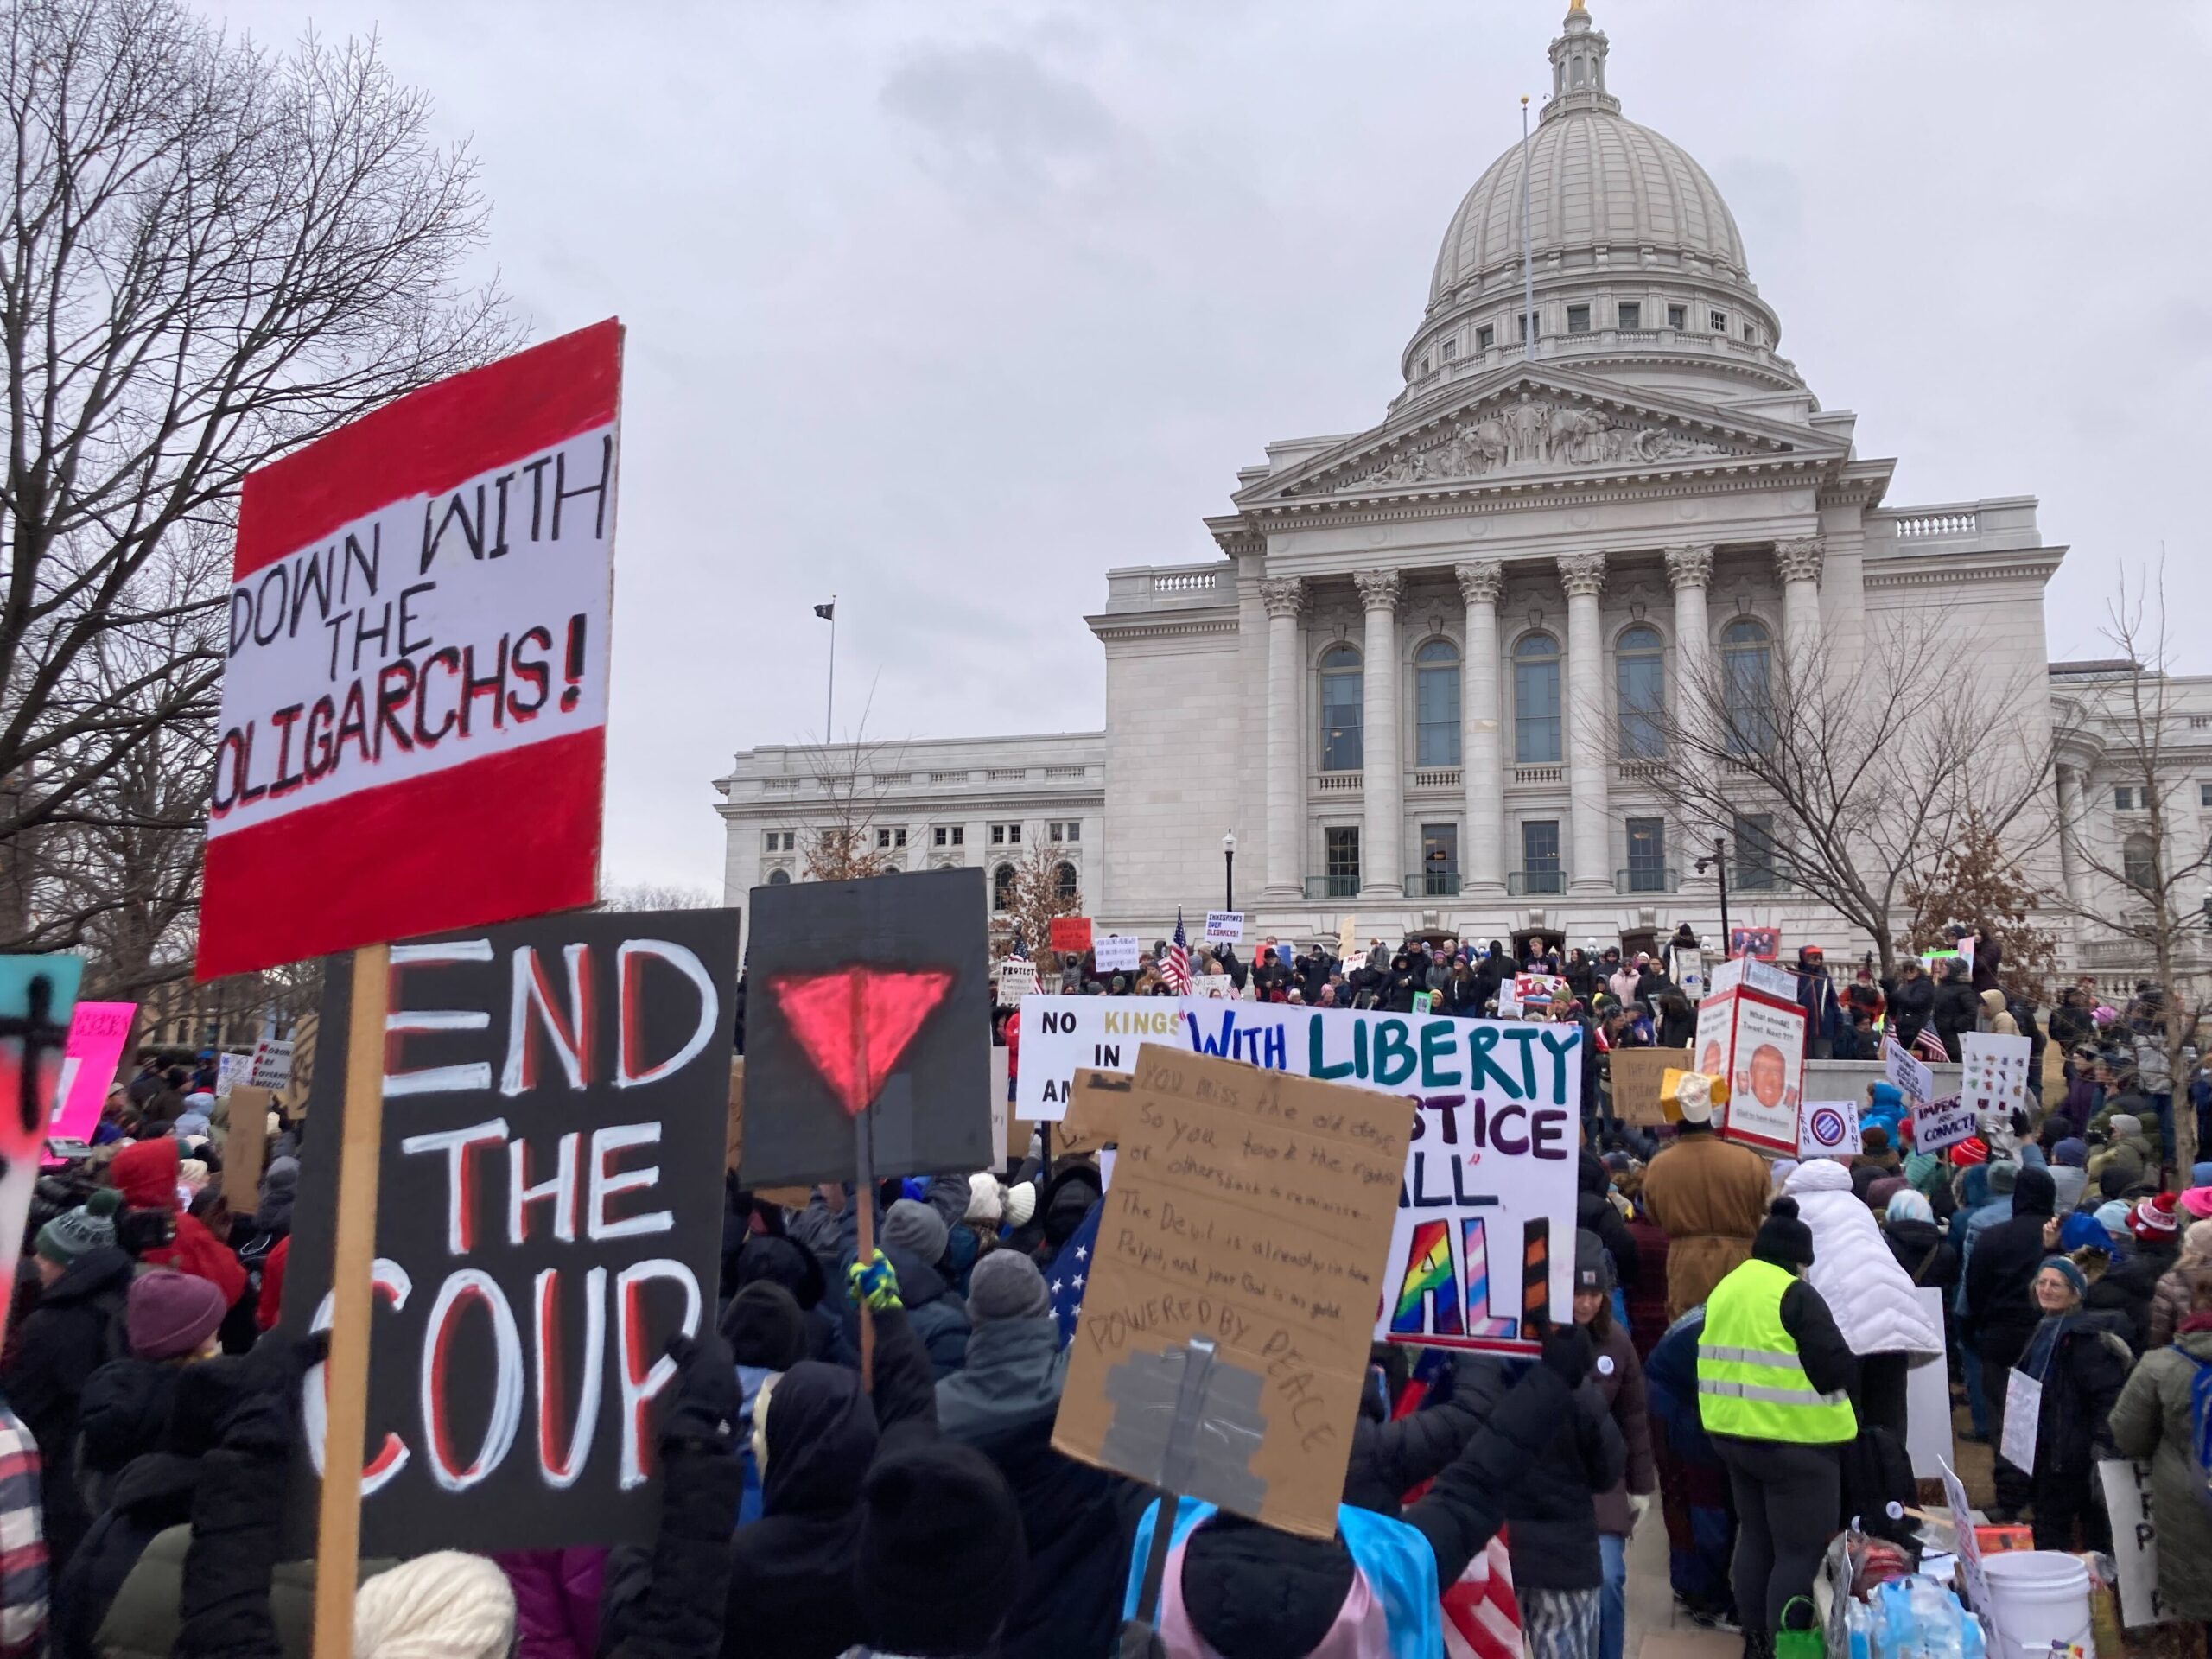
(1749, 1382)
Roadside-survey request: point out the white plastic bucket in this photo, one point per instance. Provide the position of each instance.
(2042, 1598)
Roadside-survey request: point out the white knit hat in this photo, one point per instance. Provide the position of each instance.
(446, 1605)
(1020, 1203)
(986, 1199)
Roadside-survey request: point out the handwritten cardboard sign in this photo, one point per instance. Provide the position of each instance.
(1636, 1073)
(1016, 977)
(414, 714)
(557, 1109)
(1254, 1208)
(1993, 1072)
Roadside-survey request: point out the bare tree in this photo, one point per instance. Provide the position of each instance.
(212, 254)
(1977, 878)
(2159, 870)
(839, 833)
(1867, 777)
(657, 895)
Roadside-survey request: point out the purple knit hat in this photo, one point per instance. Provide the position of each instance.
(169, 1315)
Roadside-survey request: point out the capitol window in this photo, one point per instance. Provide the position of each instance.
(1746, 685)
(1678, 316)
(1577, 319)
(1066, 887)
(1639, 685)
(1536, 701)
(779, 877)
(1485, 337)
(2139, 864)
(1002, 886)
(1719, 321)
(1450, 349)
(1343, 687)
(1631, 314)
(2123, 799)
(1436, 704)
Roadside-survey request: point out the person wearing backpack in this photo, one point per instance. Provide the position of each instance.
(2164, 1414)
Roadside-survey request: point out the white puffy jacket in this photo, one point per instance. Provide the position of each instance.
(1873, 1299)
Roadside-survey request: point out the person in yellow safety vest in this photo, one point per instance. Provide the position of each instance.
(1772, 1373)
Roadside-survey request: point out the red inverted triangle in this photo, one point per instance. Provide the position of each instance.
(854, 1023)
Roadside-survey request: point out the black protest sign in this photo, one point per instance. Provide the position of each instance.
(868, 995)
(557, 1099)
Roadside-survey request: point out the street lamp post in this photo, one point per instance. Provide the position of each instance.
(1228, 871)
(1719, 863)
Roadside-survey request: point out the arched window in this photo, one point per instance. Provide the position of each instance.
(1747, 685)
(1535, 702)
(1436, 704)
(1640, 686)
(1065, 884)
(780, 878)
(1343, 687)
(1002, 886)
(2139, 862)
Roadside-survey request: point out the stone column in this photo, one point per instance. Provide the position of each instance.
(1589, 752)
(1284, 596)
(1482, 741)
(1381, 841)
(2070, 869)
(1799, 561)
(1689, 572)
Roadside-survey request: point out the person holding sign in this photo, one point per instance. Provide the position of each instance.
(2155, 1417)
(2078, 1363)
(2001, 1314)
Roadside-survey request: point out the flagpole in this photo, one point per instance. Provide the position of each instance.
(829, 710)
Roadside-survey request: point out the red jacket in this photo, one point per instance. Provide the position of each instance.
(145, 1173)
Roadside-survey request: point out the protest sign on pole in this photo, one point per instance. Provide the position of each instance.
(1993, 1072)
(549, 1152)
(1828, 1129)
(244, 1147)
(2134, 1542)
(1759, 975)
(1756, 1042)
(1943, 1124)
(1224, 926)
(869, 991)
(1490, 1168)
(231, 1069)
(1070, 934)
(98, 1031)
(1913, 1079)
(38, 1002)
(272, 1063)
(1252, 1209)
(1116, 953)
(413, 729)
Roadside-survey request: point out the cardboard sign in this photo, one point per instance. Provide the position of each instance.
(2134, 1542)
(244, 1144)
(556, 1111)
(1116, 953)
(1828, 1129)
(272, 1063)
(1224, 926)
(38, 1002)
(1763, 942)
(1636, 1074)
(1757, 1043)
(1253, 1208)
(1093, 1119)
(98, 1031)
(231, 1070)
(1914, 1080)
(1001, 1099)
(912, 951)
(1494, 1141)
(414, 693)
(1943, 1124)
(1994, 1073)
(1015, 977)
(1070, 934)
(1347, 939)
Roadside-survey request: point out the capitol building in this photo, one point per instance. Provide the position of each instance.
(1417, 682)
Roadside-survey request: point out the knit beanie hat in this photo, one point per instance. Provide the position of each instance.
(2200, 1174)
(914, 1227)
(145, 1173)
(444, 1606)
(763, 1326)
(168, 1314)
(1020, 1203)
(1782, 1239)
(2125, 1123)
(1878, 1193)
(2083, 1231)
(941, 1559)
(2197, 1201)
(1594, 1267)
(2153, 1220)
(1970, 1151)
(2004, 1176)
(2067, 1271)
(1007, 1285)
(1874, 1139)
(1909, 1205)
(79, 1232)
(986, 1198)
(2072, 1153)
(2113, 1216)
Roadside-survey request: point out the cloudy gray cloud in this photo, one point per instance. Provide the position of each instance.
(951, 305)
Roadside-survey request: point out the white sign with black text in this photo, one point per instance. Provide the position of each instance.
(1224, 927)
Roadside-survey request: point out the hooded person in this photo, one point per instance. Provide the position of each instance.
(1773, 1378)
(76, 1327)
(2000, 1312)
(1237, 1589)
(2070, 1172)
(1709, 1197)
(280, 1182)
(767, 1335)
(770, 1259)
(145, 1173)
(1994, 1019)
(1595, 1212)
(1917, 1243)
(1873, 1301)
(2156, 1418)
(2126, 1157)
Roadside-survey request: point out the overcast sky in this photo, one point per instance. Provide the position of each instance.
(950, 307)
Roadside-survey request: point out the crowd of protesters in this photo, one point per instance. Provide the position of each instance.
(1742, 1335)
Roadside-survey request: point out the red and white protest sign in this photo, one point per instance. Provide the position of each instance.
(414, 694)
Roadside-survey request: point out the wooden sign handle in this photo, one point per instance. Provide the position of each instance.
(338, 1533)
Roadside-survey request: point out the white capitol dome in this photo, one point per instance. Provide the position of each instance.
(1635, 255)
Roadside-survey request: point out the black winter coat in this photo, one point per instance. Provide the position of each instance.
(75, 1329)
(2087, 1369)
(1911, 1004)
(1253, 1592)
(2128, 1287)
(154, 1492)
(1830, 1366)
(1551, 1513)
(2001, 1311)
(1957, 1009)
(1911, 1242)
(1594, 1212)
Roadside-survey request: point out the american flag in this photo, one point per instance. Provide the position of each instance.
(1070, 1270)
(1019, 949)
(1175, 966)
(1930, 1046)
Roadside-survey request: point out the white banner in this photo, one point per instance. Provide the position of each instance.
(1115, 953)
(1224, 927)
(2022, 1417)
(1992, 1073)
(1490, 1167)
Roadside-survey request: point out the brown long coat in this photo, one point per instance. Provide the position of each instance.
(1709, 1197)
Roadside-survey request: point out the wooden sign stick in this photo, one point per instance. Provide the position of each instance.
(864, 1180)
(338, 1533)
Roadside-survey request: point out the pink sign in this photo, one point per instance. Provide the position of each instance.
(98, 1031)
